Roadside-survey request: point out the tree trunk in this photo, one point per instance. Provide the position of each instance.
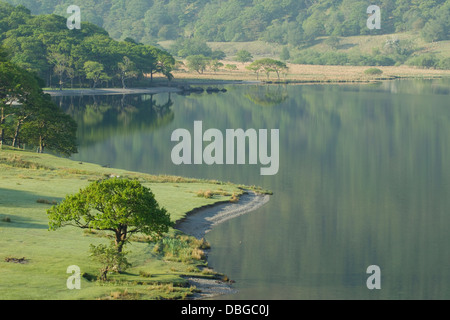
(121, 237)
(41, 145)
(16, 134)
(103, 274)
(2, 131)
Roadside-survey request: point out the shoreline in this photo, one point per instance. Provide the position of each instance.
(299, 75)
(179, 86)
(200, 221)
(110, 91)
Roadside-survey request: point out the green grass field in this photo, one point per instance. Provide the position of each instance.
(30, 183)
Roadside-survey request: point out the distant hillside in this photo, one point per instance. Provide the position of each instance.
(293, 22)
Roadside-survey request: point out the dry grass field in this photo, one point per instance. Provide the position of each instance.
(314, 73)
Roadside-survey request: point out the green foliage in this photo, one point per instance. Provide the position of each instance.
(340, 58)
(424, 61)
(434, 30)
(438, 26)
(231, 67)
(185, 47)
(182, 248)
(373, 71)
(244, 56)
(123, 207)
(444, 64)
(95, 71)
(197, 63)
(190, 47)
(267, 66)
(48, 127)
(45, 46)
(110, 259)
(215, 65)
(3, 55)
(127, 70)
(36, 121)
(293, 22)
(333, 42)
(285, 54)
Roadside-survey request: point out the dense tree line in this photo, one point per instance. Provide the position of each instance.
(45, 46)
(282, 21)
(28, 117)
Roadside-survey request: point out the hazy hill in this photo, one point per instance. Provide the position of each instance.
(293, 22)
(320, 32)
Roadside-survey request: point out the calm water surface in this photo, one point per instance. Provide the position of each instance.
(364, 180)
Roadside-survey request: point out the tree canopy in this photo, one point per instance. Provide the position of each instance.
(43, 44)
(28, 116)
(279, 21)
(121, 206)
(267, 66)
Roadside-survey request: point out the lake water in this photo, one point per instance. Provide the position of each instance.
(364, 179)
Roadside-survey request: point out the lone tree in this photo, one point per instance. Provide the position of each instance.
(267, 66)
(197, 63)
(127, 70)
(244, 56)
(95, 72)
(122, 206)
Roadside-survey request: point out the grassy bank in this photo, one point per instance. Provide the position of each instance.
(31, 183)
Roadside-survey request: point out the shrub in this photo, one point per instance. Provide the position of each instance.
(234, 198)
(45, 201)
(145, 274)
(423, 61)
(190, 47)
(109, 258)
(231, 67)
(205, 194)
(373, 71)
(333, 42)
(197, 63)
(198, 254)
(16, 260)
(244, 56)
(444, 64)
(182, 248)
(208, 271)
(340, 58)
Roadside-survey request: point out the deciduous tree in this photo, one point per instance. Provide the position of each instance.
(121, 206)
(94, 71)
